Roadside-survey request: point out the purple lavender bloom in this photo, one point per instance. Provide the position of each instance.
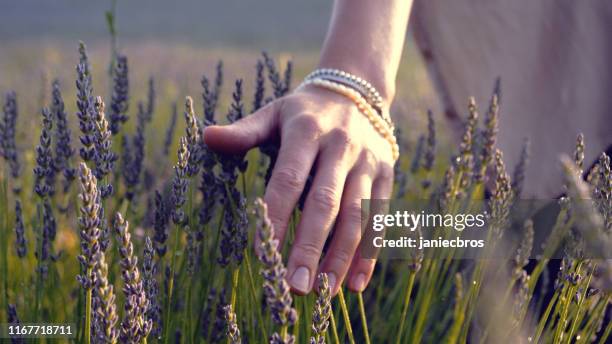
(209, 187)
(44, 171)
(170, 130)
(150, 109)
(210, 96)
(8, 122)
(63, 145)
(260, 87)
(120, 98)
(279, 85)
(149, 268)
(135, 326)
(192, 132)
(160, 225)
(234, 231)
(13, 319)
(104, 156)
(89, 223)
(133, 155)
(105, 311)
(276, 289)
(20, 241)
(218, 331)
(85, 107)
(180, 183)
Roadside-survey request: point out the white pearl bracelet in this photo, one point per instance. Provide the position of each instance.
(364, 107)
(360, 85)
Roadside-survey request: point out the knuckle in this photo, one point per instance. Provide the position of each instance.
(326, 198)
(354, 214)
(307, 124)
(368, 157)
(307, 251)
(341, 136)
(343, 255)
(342, 139)
(288, 179)
(386, 171)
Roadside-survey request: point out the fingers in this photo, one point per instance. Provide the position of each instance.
(319, 214)
(299, 148)
(244, 134)
(347, 234)
(362, 268)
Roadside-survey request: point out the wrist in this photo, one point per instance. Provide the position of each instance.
(377, 77)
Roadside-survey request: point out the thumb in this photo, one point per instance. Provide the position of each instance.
(244, 134)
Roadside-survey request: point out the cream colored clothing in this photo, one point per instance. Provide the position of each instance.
(554, 58)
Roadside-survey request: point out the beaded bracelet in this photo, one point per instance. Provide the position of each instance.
(360, 85)
(364, 107)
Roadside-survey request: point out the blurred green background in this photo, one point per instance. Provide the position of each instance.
(176, 42)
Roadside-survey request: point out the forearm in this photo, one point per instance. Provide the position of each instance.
(366, 38)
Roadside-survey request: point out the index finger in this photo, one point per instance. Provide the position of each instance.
(298, 151)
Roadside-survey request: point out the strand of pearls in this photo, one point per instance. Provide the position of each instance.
(366, 89)
(381, 126)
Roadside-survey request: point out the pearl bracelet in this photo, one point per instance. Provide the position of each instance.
(364, 107)
(360, 85)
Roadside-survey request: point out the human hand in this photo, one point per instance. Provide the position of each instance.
(325, 132)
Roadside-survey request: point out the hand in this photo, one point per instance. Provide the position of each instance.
(323, 131)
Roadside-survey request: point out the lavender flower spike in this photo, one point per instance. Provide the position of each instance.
(119, 100)
(104, 156)
(134, 326)
(8, 122)
(322, 311)
(179, 184)
(63, 145)
(193, 138)
(89, 223)
(276, 290)
(13, 319)
(106, 311)
(20, 241)
(153, 312)
(233, 332)
(44, 171)
(160, 225)
(85, 106)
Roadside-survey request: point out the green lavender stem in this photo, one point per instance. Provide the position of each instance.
(262, 326)
(4, 199)
(345, 314)
(411, 278)
(177, 238)
(88, 312)
(334, 331)
(364, 321)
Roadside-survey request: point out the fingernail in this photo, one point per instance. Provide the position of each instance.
(359, 282)
(331, 278)
(301, 279)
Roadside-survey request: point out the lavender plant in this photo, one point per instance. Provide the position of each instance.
(135, 326)
(21, 243)
(276, 289)
(120, 97)
(63, 140)
(85, 107)
(8, 123)
(104, 156)
(172, 294)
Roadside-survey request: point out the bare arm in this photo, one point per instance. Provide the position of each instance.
(325, 131)
(366, 38)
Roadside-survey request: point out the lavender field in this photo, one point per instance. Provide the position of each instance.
(117, 218)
